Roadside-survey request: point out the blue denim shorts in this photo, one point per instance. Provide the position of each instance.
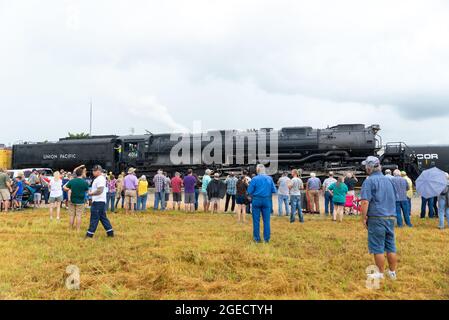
(381, 236)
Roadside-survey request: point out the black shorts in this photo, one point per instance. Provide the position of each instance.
(240, 200)
(177, 197)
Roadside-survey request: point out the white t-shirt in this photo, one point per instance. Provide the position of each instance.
(99, 182)
(55, 188)
(297, 185)
(283, 186)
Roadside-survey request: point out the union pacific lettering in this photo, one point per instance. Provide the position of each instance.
(64, 156)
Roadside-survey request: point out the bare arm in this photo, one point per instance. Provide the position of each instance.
(79, 167)
(97, 192)
(364, 211)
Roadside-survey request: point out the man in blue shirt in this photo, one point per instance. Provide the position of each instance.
(378, 216)
(261, 190)
(313, 192)
(402, 206)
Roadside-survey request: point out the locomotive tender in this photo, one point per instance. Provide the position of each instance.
(342, 147)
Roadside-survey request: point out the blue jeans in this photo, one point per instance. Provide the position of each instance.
(197, 195)
(45, 194)
(262, 206)
(98, 214)
(443, 212)
(230, 197)
(409, 206)
(296, 207)
(283, 200)
(328, 202)
(248, 207)
(110, 201)
(122, 199)
(159, 197)
(142, 202)
(424, 203)
(403, 209)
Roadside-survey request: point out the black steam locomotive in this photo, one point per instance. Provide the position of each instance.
(338, 148)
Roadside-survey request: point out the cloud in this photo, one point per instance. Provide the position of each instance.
(232, 64)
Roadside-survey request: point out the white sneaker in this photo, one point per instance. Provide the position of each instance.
(376, 276)
(392, 275)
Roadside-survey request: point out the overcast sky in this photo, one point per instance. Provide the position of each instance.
(161, 65)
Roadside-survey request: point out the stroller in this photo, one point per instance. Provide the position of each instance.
(353, 203)
(28, 196)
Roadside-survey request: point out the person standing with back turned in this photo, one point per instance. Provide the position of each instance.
(98, 209)
(401, 186)
(261, 190)
(313, 191)
(328, 198)
(189, 191)
(379, 216)
(5, 189)
(296, 185)
(76, 188)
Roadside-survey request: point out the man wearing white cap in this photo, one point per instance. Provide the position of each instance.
(378, 216)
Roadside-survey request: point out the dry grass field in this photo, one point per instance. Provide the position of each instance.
(203, 256)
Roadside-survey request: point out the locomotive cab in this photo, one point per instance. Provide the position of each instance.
(130, 151)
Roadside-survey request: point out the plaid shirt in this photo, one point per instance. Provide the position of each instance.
(159, 182)
(231, 184)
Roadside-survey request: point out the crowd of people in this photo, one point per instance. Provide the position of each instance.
(384, 202)
(228, 195)
(213, 192)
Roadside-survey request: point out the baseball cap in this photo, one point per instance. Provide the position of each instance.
(97, 168)
(371, 161)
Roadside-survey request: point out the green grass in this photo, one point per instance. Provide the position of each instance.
(204, 256)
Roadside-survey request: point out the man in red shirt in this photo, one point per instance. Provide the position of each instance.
(176, 185)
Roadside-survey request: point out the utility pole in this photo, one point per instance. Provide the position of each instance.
(91, 115)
